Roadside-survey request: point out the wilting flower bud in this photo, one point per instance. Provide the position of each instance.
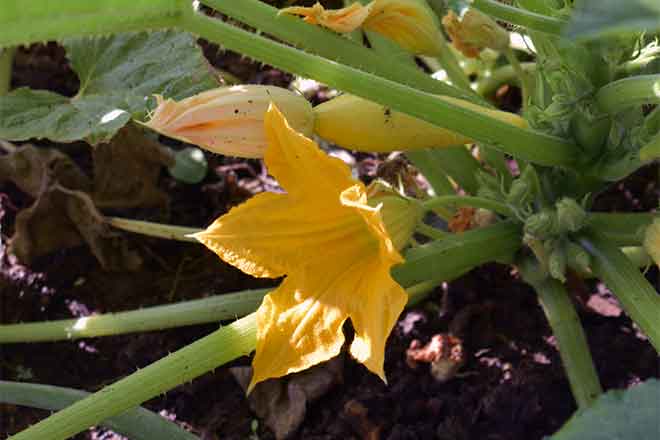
(410, 23)
(652, 240)
(363, 125)
(400, 214)
(474, 31)
(230, 120)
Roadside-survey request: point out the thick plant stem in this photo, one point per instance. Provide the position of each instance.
(6, 64)
(524, 143)
(638, 298)
(573, 348)
(332, 46)
(199, 311)
(488, 85)
(42, 20)
(477, 202)
(136, 423)
(445, 57)
(219, 347)
(458, 253)
(617, 96)
(520, 17)
(620, 229)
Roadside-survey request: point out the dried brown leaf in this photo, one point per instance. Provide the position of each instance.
(126, 171)
(30, 168)
(62, 218)
(282, 403)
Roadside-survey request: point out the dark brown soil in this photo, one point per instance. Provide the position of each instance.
(512, 385)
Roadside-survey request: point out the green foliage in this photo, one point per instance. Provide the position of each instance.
(598, 18)
(136, 423)
(630, 414)
(117, 75)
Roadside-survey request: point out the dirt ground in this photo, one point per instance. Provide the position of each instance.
(511, 386)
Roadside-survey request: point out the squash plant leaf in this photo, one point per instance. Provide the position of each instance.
(629, 414)
(599, 18)
(117, 75)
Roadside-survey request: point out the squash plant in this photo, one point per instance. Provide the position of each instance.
(589, 118)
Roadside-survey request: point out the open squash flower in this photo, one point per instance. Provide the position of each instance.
(331, 245)
(229, 120)
(474, 31)
(410, 23)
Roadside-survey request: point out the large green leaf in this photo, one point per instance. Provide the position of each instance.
(117, 75)
(618, 415)
(597, 18)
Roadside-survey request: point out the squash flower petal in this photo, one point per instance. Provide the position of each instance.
(410, 23)
(474, 31)
(229, 120)
(331, 245)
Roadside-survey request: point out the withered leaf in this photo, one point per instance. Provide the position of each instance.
(126, 170)
(282, 402)
(62, 218)
(30, 168)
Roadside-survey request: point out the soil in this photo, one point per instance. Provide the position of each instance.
(511, 385)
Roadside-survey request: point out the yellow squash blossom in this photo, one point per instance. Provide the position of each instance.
(410, 23)
(229, 120)
(331, 245)
(474, 31)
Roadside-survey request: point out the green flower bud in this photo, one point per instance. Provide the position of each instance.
(542, 224)
(522, 190)
(570, 215)
(519, 194)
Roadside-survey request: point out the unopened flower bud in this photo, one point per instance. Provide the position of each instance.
(474, 31)
(230, 120)
(400, 214)
(652, 240)
(541, 225)
(364, 125)
(410, 23)
(570, 215)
